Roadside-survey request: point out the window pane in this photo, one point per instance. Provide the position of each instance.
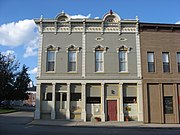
(72, 66)
(122, 66)
(72, 56)
(51, 55)
(49, 97)
(99, 66)
(151, 67)
(122, 55)
(165, 57)
(122, 61)
(178, 57)
(75, 96)
(150, 57)
(168, 105)
(99, 61)
(93, 100)
(99, 55)
(166, 67)
(72, 61)
(51, 66)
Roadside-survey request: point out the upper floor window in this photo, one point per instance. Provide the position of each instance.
(150, 60)
(122, 61)
(99, 61)
(178, 61)
(72, 60)
(50, 60)
(166, 65)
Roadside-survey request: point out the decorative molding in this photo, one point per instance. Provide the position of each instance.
(100, 48)
(122, 39)
(124, 48)
(99, 39)
(73, 47)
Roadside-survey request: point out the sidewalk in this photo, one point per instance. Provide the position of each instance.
(130, 124)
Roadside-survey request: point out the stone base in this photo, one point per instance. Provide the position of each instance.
(53, 115)
(37, 115)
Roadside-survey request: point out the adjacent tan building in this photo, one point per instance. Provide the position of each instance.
(160, 59)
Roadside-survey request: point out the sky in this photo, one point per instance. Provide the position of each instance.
(19, 35)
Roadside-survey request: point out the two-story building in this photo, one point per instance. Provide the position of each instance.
(89, 69)
(160, 58)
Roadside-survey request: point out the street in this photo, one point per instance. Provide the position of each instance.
(17, 124)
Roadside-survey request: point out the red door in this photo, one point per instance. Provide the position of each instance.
(112, 110)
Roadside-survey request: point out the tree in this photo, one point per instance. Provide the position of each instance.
(13, 83)
(21, 84)
(8, 73)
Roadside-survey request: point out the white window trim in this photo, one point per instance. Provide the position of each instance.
(55, 49)
(123, 48)
(76, 49)
(103, 49)
(75, 60)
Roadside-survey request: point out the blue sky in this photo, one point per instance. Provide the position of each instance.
(18, 33)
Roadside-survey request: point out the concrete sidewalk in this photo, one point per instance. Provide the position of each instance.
(130, 124)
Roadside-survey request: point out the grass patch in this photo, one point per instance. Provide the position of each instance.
(3, 110)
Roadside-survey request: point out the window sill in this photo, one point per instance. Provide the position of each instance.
(72, 72)
(124, 72)
(99, 72)
(49, 72)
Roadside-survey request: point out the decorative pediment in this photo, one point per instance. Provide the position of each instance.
(62, 17)
(73, 48)
(53, 48)
(123, 48)
(100, 48)
(111, 17)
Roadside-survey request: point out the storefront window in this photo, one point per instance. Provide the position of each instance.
(168, 105)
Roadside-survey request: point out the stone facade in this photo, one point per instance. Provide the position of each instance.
(89, 69)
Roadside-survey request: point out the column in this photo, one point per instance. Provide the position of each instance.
(83, 113)
(176, 102)
(53, 111)
(140, 101)
(121, 103)
(161, 102)
(68, 102)
(102, 103)
(38, 102)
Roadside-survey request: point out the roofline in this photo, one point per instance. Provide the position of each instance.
(142, 24)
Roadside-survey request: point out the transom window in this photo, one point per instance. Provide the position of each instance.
(50, 60)
(72, 60)
(99, 61)
(122, 61)
(151, 64)
(166, 65)
(178, 61)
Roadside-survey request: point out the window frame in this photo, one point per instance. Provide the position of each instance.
(149, 63)
(74, 51)
(125, 61)
(166, 63)
(178, 61)
(101, 62)
(47, 60)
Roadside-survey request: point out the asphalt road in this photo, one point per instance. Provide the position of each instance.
(17, 124)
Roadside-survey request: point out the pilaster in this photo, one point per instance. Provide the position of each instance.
(140, 101)
(53, 112)
(121, 103)
(68, 102)
(102, 103)
(83, 113)
(38, 102)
